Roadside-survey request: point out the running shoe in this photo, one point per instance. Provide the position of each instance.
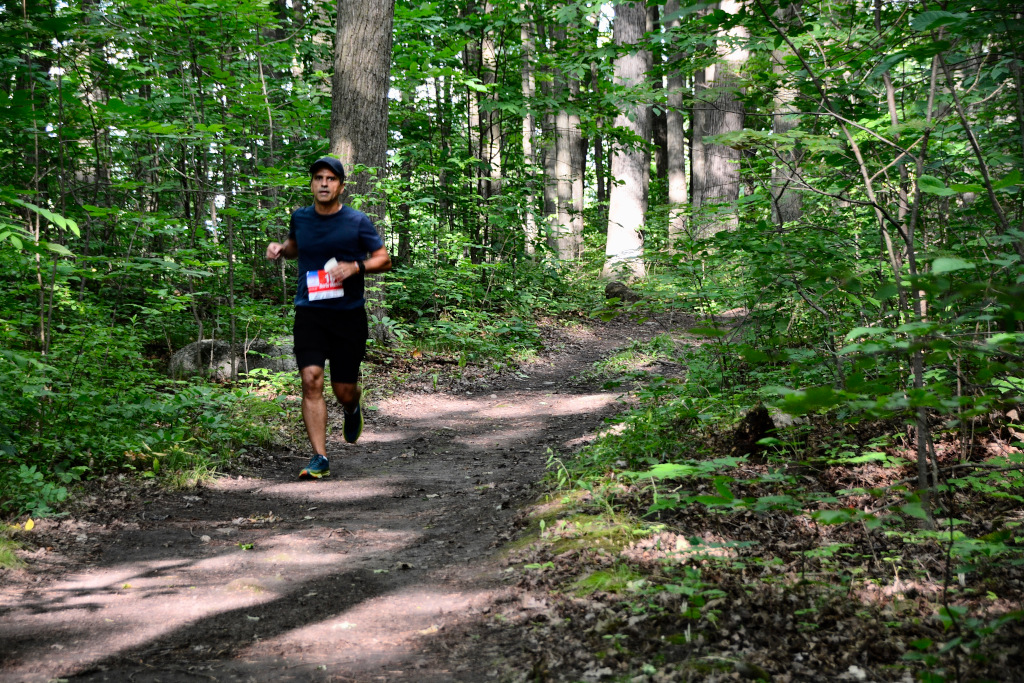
(353, 424)
(317, 468)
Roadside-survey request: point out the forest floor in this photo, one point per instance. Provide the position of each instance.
(441, 549)
(393, 569)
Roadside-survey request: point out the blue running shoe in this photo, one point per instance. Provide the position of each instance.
(353, 424)
(317, 468)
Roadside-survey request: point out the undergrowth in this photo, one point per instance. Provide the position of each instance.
(814, 532)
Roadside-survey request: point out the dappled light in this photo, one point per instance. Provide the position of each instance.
(688, 339)
(338, 494)
(376, 560)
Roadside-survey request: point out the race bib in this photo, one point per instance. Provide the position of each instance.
(322, 286)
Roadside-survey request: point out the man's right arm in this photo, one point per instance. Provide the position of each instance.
(288, 249)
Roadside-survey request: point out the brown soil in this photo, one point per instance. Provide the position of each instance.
(388, 571)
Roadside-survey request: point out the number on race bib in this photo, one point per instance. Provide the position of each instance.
(322, 286)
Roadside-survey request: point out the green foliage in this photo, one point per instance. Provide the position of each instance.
(616, 580)
(107, 413)
(26, 490)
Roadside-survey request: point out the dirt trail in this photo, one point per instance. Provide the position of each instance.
(263, 577)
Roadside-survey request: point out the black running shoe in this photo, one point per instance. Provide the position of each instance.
(353, 424)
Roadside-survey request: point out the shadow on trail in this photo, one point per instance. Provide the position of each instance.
(340, 579)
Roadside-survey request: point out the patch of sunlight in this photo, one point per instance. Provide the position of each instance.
(330, 491)
(385, 624)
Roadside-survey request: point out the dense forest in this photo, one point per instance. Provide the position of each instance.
(846, 175)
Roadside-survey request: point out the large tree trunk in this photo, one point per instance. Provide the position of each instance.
(627, 206)
(716, 176)
(548, 154)
(359, 112)
(578, 160)
(659, 118)
(675, 143)
(567, 235)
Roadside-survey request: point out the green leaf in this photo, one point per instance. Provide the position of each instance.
(970, 187)
(1009, 181)
(926, 21)
(921, 644)
(668, 470)
(810, 400)
(914, 509)
(948, 264)
(864, 332)
(833, 516)
(933, 185)
(707, 331)
(714, 500)
(58, 248)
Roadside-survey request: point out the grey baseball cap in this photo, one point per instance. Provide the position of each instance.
(331, 163)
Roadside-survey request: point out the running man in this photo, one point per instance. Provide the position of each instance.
(335, 246)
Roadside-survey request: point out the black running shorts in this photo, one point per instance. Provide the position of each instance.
(323, 334)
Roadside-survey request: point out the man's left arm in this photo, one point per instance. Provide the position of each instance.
(379, 261)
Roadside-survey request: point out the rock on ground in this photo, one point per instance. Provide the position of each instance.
(212, 357)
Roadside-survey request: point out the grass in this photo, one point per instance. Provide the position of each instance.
(618, 579)
(8, 557)
(190, 477)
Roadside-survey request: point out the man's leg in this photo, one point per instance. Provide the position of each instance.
(314, 408)
(348, 394)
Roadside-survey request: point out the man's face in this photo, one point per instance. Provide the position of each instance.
(326, 187)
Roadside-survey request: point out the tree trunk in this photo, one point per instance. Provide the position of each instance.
(716, 177)
(550, 222)
(787, 203)
(659, 118)
(627, 206)
(567, 236)
(578, 160)
(359, 113)
(529, 128)
(675, 144)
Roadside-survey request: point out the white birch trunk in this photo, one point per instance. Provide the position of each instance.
(627, 206)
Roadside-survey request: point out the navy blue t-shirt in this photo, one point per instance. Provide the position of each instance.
(345, 235)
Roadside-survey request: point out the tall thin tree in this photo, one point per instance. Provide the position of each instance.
(630, 167)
